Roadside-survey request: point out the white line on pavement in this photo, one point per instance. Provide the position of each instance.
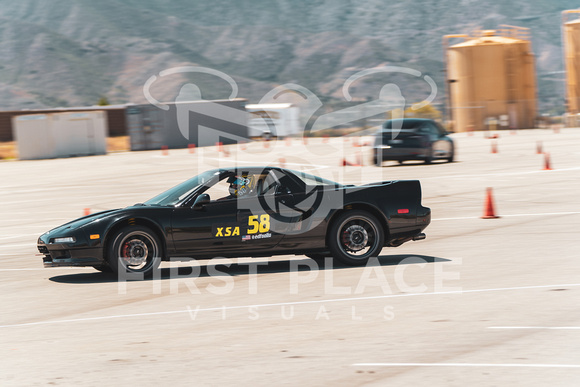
(23, 269)
(513, 215)
(20, 244)
(501, 174)
(222, 308)
(550, 328)
(16, 236)
(465, 365)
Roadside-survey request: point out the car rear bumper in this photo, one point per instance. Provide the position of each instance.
(391, 153)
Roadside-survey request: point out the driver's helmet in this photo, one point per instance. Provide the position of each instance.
(240, 185)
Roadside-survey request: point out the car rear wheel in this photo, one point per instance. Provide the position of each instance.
(354, 237)
(429, 156)
(135, 250)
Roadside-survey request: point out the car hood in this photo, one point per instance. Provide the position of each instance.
(74, 224)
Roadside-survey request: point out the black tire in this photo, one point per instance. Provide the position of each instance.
(103, 268)
(451, 158)
(429, 157)
(134, 252)
(354, 237)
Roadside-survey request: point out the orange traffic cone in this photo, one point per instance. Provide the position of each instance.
(547, 166)
(493, 147)
(165, 150)
(539, 148)
(191, 148)
(346, 163)
(87, 211)
(489, 212)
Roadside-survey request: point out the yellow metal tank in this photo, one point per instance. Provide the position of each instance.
(571, 35)
(492, 81)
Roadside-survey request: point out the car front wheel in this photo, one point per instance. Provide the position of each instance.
(451, 157)
(135, 250)
(354, 237)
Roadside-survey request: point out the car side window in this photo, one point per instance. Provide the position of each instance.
(219, 191)
(425, 129)
(233, 187)
(269, 184)
(276, 182)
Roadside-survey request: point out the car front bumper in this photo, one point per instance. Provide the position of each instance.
(55, 255)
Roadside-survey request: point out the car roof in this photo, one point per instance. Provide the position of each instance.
(406, 123)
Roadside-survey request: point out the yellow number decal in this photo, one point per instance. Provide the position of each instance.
(265, 223)
(262, 226)
(253, 222)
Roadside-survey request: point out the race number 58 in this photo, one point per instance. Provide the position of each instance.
(262, 226)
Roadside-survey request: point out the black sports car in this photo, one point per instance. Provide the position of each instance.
(412, 139)
(243, 212)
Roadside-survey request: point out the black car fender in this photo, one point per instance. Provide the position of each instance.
(364, 207)
(117, 224)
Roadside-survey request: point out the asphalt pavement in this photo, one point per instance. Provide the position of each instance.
(480, 302)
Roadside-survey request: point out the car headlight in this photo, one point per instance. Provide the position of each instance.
(65, 240)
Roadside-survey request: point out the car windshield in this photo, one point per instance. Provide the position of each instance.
(314, 180)
(176, 194)
(402, 124)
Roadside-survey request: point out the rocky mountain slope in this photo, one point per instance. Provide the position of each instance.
(72, 52)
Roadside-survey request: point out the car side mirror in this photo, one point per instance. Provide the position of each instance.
(201, 201)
